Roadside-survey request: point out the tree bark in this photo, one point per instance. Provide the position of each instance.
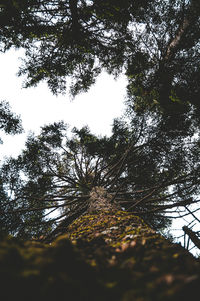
(103, 256)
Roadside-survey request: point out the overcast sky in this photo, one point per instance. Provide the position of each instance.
(37, 106)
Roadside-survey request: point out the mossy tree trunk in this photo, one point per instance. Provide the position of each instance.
(132, 261)
(103, 256)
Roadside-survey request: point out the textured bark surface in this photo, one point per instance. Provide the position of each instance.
(108, 255)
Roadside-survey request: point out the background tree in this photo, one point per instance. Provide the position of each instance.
(9, 124)
(140, 168)
(155, 43)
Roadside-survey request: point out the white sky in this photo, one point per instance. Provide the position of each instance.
(38, 106)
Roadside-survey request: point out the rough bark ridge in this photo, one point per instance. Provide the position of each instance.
(104, 256)
(101, 200)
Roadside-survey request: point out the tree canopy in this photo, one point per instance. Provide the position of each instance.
(155, 43)
(142, 168)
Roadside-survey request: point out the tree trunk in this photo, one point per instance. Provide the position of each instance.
(192, 235)
(104, 256)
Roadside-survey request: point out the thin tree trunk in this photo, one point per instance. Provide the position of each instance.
(174, 44)
(166, 73)
(188, 19)
(192, 235)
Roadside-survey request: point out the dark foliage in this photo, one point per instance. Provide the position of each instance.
(156, 44)
(9, 122)
(143, 167)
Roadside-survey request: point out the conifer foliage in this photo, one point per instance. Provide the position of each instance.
(139, 169)
(155, 43)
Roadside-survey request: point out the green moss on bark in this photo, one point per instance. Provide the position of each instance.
(103, 256)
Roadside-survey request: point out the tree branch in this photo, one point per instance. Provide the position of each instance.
(192, 235)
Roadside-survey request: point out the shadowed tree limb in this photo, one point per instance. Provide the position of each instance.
(192, 235)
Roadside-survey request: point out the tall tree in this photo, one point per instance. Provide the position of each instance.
(155, 43)
(139, 168)
(147, 169)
